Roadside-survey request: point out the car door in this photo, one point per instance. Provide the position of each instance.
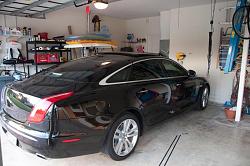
(182, 86)
(147, 87)
(79, 124)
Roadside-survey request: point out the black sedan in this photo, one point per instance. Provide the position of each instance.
(99, 103)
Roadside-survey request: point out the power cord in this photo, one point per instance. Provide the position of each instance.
(210, 42)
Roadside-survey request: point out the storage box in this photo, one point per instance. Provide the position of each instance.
(53, 58)
(47, 58)
(41, 58)
(43, 35)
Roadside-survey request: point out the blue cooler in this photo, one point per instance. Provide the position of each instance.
(247, 110)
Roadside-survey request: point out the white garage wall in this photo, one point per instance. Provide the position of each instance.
(148, 28)
(191, 37)
(57, 23)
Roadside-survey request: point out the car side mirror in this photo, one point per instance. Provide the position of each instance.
(191, 73)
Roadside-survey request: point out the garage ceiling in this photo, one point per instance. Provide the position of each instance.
(128, 9)
(35, 8)
(125, 9)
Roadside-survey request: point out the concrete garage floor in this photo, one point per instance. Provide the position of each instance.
(206, 140)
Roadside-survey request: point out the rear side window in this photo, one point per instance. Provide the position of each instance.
(150, 69)
(121, 76)
(173, 69)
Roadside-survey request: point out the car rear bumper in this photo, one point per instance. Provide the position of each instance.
(40, 144)
(23, 137)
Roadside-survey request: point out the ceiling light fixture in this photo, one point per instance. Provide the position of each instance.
(101, 4)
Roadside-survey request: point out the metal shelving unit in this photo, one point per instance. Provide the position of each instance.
(34, 52)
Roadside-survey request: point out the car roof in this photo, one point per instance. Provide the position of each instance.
(132, 55)
(108, 62)
(114, 59)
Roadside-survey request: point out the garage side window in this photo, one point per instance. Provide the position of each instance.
(121, 76)
(150, 69)
(173, 69)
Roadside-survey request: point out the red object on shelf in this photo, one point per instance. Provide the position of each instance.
(43, 35)
(41, 58)
(53, 58)
(47, 58)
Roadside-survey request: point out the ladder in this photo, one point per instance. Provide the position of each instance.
(234, 42)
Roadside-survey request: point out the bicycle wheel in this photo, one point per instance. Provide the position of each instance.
(240, 20)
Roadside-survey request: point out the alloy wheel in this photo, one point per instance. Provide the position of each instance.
(125, 137)
(205, 97)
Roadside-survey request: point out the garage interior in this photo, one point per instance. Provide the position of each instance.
(179, 29)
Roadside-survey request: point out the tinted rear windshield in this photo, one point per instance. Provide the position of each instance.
(18, 105)
(90, 69)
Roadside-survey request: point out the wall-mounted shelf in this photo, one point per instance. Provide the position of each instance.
(17, 64)
(12, 33)
(227, 8)
(51, 63)
(46, 42)
(47, 51)
(131, 42)
(7, 36)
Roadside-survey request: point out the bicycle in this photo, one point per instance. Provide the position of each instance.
(241, 18)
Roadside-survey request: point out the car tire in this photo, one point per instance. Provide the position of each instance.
(203, 98)
(124, 129)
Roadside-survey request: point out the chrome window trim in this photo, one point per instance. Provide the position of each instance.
(103, 82)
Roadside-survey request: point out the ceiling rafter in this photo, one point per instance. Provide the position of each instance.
(34, 4)
(20, 11)
(7, 2)
(3, 12)
(11, 7)
(58, 7)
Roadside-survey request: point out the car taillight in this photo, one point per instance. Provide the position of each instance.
(40, 110)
